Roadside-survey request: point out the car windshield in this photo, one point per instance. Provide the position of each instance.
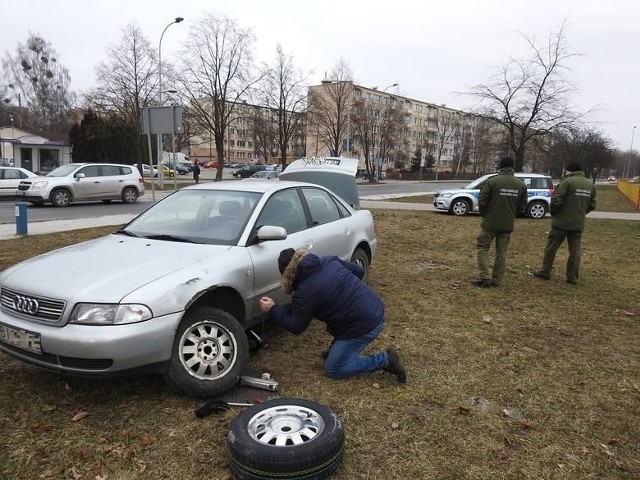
(63, 170)
(215, 217)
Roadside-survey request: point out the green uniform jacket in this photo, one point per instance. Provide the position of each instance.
(574, 197)
(502, 197)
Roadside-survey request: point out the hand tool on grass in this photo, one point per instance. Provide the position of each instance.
(217, 406)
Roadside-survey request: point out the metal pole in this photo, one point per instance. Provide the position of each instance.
(175, 162)
(159, 146)
(628, 173)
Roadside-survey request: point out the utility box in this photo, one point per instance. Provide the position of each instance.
(21, 218)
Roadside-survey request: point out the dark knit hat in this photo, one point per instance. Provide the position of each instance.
(506, 162)
(284, 258)
(573, 167)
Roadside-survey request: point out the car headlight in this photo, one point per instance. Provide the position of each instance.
(445, 195)
(109, 314)
(39, 185)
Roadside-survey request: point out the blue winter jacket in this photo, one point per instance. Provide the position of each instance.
(331, 290)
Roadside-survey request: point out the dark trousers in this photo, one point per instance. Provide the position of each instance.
(483, 244)
(554, 240)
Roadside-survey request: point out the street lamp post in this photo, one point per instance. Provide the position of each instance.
(628, 173)
(177, 20)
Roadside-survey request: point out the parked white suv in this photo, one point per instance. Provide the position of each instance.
(461, 201)
(78, 182)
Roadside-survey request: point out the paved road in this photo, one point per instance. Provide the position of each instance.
(371, 197)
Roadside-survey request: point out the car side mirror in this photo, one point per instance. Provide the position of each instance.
(271, 232)
(267, 233)
(79, 176)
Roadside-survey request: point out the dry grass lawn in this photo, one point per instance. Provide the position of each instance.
(532, 380)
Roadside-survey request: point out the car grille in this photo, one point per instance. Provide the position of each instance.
(36, 308)
(24, 186)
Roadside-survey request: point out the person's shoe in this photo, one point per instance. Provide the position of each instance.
(572, 281)
(483, 283)
(541, 274)
(394, 366)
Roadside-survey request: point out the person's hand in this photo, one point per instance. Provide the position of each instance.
(266, 303)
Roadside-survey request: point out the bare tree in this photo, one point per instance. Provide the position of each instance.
(329, 108)
(390, 131)
(283, 91)
(445, 131)
(530, 97)
(590, 147)
(127, 80)
(42, 83)
(363, 123)
(483, 144)
(216, 72)
(264, 132)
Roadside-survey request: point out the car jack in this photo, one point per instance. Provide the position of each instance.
(258, 342)
(264, 382)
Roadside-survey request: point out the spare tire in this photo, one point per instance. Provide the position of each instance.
(285, 438)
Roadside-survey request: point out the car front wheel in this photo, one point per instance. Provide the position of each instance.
(360, 258)
(460, 207)
(129, 195)
(61, 198)
(536, 210)
(209, 355)
(285, 438)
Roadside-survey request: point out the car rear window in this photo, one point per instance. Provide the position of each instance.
(541, 182)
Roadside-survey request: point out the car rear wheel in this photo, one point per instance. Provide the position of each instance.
(129, 195)
(60, 197)
(285, 438)
(460, 207)
(536, 210)
(360, 258)
(209, 355)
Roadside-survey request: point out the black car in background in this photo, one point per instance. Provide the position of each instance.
(248, 170)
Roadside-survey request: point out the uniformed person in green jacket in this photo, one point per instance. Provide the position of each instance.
(502, 198)
(573, 198)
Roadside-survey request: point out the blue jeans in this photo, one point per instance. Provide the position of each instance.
(344, 358)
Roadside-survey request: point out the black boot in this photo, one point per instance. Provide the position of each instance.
(394, 366)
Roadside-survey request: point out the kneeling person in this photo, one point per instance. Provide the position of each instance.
(332, 291)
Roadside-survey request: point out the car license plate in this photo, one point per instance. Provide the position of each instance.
(21, 338)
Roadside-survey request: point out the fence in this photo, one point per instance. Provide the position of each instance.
(631, 191)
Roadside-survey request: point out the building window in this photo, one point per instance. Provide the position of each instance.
(49, 159)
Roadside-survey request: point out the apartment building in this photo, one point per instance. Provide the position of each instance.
(418, 126)
(250, 138)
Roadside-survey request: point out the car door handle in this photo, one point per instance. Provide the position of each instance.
(308, 244)
(121, 181)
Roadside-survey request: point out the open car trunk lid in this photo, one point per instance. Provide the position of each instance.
(335, 173)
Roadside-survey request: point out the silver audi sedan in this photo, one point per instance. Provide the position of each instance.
(176, 290)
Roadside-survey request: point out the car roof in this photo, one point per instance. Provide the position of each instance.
(531, 174)
(17, 168)
(258, 187)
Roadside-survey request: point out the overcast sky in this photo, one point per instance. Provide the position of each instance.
(431, 49)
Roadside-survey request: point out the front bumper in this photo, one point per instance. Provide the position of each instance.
(442, 203)
(31, 195)
(95, 350)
